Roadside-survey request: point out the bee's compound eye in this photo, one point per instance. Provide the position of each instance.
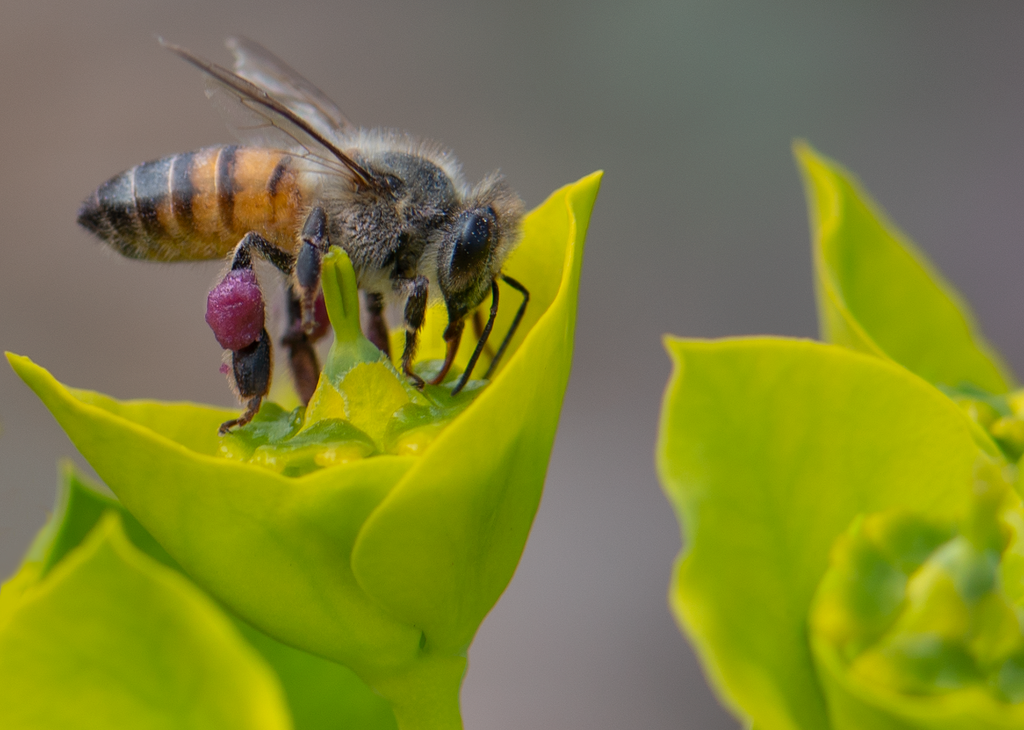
(473, 244)
(234, 310)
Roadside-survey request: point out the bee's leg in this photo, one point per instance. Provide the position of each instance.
(305, 324)
(452, 338)
(250, 372)
(480, 343)
(242, 258)
(302, 357)
(415, 312)
(315, 243)
(236, 313)
(513, 327)
(478, 330)
(372, 320)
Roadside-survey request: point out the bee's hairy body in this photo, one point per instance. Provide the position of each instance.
(413, 228)
(197, 205)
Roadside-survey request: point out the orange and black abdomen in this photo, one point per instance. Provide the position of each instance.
(198, 205)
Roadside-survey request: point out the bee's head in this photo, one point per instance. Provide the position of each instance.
(475, 242)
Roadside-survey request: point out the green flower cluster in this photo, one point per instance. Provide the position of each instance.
(372, 531)
(912, 610)
(362, 405)
(852, 553)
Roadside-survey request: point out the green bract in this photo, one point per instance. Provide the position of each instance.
(112, 634)
(778, 454)
(768, 450)
(385, 564)
(877, 293)
(103, 636)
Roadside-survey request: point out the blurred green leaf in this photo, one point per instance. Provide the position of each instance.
(321, 694)
(878, 294)
(110, 638)
(768, 449)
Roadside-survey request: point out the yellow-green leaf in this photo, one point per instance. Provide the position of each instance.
(110, 638)
(878, 294)
(768, 448)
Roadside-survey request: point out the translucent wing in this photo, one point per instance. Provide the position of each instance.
(255, 63)
(261, 119)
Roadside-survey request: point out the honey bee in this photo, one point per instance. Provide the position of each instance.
(307, 179)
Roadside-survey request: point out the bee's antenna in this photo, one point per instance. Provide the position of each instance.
(514, 326)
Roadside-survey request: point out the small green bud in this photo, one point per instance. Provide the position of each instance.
(917, 605)
(1008, 431)
(362, 406)
(980, 411)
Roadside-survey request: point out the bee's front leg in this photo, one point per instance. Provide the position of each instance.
(415, 312)
(315, 243)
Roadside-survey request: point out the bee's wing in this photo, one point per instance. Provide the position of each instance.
(255, 63)
(260, 119)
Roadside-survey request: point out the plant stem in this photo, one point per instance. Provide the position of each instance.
(426, 695)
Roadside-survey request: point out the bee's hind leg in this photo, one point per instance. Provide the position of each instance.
(236, 313)
(307, 315)
(250, 372)
(252, 241)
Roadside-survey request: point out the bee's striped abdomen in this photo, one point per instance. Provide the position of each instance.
(198, 205)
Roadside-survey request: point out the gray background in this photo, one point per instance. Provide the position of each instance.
(699, 230)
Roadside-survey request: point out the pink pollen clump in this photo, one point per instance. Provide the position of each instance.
(234, 310)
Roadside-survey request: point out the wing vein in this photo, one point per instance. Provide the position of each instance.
(264, 105)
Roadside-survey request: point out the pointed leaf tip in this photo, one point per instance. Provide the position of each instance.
(877, 293)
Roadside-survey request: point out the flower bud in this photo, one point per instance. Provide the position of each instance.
(915, 607)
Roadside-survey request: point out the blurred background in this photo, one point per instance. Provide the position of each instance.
(700, 230)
